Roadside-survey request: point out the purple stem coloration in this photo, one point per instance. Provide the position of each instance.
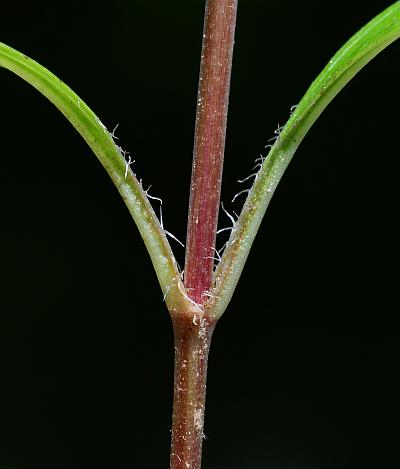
(192, 343)
(209, 145)
(193, 327)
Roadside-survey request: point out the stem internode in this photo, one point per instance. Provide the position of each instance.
(192, 336)
(209, 145)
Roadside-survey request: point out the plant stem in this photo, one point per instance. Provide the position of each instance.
(209, 145)
(192, 336)
(193, 326)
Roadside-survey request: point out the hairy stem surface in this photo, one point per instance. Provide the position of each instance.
(192, 336)
(209, 144)
(193, 327)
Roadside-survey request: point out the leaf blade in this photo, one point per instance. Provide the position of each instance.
(110, 156)
(375, 36)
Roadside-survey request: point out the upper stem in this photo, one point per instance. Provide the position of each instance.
(209, 145)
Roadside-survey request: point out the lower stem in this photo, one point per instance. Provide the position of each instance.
(192, 337)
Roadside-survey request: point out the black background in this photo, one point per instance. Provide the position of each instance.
(304, 364)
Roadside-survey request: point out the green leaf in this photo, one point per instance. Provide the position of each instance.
(350, 59)
(113, 161)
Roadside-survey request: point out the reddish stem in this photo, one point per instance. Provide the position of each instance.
(192, 342)
(193, 327)
(209, 144)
